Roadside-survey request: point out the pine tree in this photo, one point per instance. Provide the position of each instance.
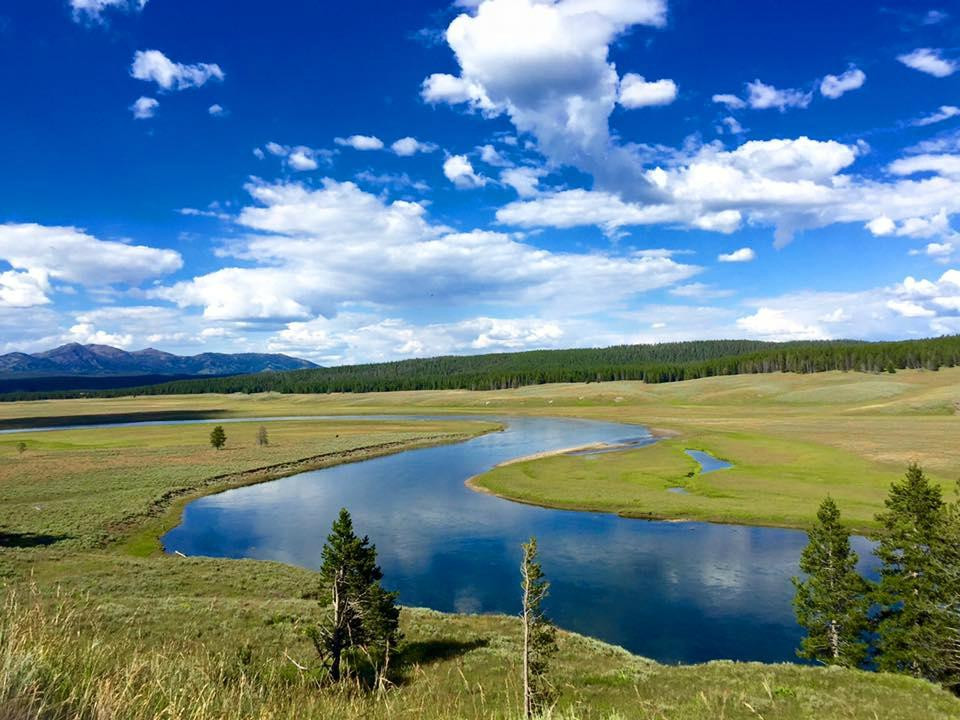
(21, 448)
(831, 603)
(363, 616)
(914, 589)
(539, 635)
(262, 439)
(218, 438)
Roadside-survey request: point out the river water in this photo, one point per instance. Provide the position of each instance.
(672, 591)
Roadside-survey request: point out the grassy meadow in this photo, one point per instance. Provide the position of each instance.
(99, 624)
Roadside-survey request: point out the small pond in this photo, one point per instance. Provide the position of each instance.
(708, 463)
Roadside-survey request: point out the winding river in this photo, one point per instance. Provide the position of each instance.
(671, 591)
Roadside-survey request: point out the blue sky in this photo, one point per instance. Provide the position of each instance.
(368, 181)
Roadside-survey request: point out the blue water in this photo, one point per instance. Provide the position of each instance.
(708, 463)
(672, 591)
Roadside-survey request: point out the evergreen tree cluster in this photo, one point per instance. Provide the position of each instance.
(906, 622)
(665, 362)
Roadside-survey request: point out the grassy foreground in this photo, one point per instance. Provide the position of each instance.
(204, 639)
(99, 625)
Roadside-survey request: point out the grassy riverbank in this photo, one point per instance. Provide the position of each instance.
(104, 626)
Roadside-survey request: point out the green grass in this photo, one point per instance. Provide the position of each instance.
(203, 639)
(773, 481)
(104, 627)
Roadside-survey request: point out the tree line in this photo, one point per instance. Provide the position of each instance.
(907, 621)
(664, 362)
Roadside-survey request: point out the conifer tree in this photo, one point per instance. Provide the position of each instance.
(539, 635)
(218, 438)
(363, 616)
(914, 588)
(262, 439)
(831, 602)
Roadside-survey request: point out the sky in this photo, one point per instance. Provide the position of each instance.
(367, 181)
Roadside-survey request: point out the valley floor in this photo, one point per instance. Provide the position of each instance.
(99, 624)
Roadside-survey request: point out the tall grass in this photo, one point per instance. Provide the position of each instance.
(56, 664)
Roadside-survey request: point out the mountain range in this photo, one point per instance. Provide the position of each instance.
(75, 359)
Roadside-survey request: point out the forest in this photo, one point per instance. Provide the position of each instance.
(658, 363)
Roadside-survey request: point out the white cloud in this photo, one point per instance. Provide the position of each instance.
(407, 146)
(216, 110)
(838, 315)
(355, 337)
(773, 324)
(302, 159)
(881, 226)
(725, 221)
(833, 86)
(23, 289)
(401, 181)
(732, 125)
(491, 156)
(460, 172)
(731, 101)
(790, 185)
(319, 251)
(544, 63)
(636, 92)
(929, 61)
(785, 183)
(361, 142)
(945, 142)
(909, 309)
(40, 255)
(947, 165)
(738, 256)
(525, 180)
(764, 97)
(446, 88)
(945, 112)
(699, 291)
(940, 252)
(144, 108)
(298, 157)
(86, 334)
(154, 66)
(92, 9)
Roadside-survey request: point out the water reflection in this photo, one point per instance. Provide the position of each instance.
(676, 592)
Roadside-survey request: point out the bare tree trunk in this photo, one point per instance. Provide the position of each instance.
(527, 690)
(834, 640)
(338, 618)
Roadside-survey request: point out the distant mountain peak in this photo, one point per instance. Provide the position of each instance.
(105, 360)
